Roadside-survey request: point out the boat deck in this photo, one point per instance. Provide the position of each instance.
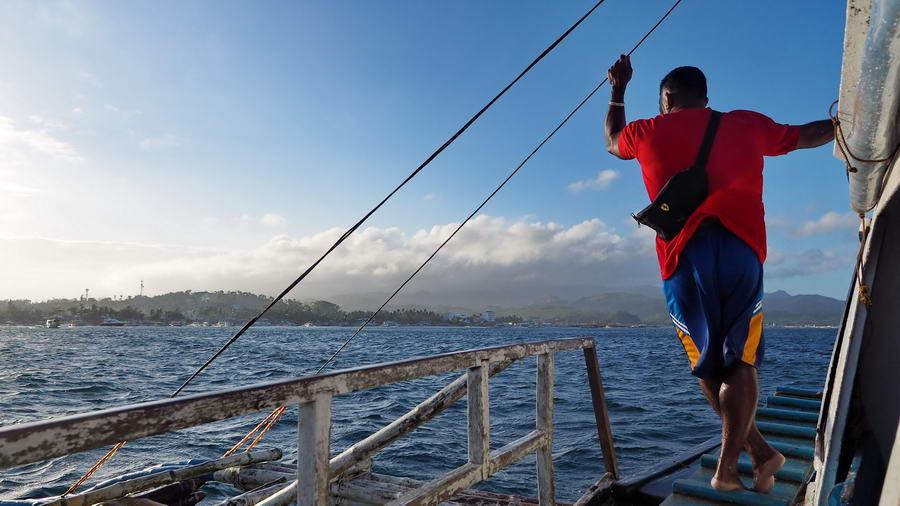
(788, 422)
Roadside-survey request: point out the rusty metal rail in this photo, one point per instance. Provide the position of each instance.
(32, 442)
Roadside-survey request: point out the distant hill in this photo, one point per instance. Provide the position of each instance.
(642, 306)
(786, 309)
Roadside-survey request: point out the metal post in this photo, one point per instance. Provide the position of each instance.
(601, 415)
(313, 447)
(544, 419)
(479, 416)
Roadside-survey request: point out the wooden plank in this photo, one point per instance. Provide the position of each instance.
(376, 488)
(601, 413)
(147, 482)
(452, 483)
(516, 450)
(424, 411)
(596, 492)
(283, 497)
(313, 444)
(479, 425)
(252, 497)
(544, 416)
(442, 488)
(35, 441)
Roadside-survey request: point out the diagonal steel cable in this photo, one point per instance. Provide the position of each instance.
(489, 197)
(353, 228)
(413, 174)
(269, 422)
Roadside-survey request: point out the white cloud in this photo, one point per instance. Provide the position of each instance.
(780, 265)
(428, 197)
(601, 182)
(490, 255)
(14, 140)
(828, 223)
(272, 220)
(164, 141)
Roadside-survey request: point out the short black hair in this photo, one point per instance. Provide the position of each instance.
(687, 82)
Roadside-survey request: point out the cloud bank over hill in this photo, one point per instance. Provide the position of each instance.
(491, 255)
(493, 260)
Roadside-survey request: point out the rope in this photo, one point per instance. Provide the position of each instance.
(96, 467)
(353, 228)
(477, 209)
(864, 296)
(864, 292)
(845, 148)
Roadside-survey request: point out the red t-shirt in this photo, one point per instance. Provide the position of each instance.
(668, 143)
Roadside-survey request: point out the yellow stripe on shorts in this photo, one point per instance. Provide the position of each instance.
(692, 352)
(753, 337)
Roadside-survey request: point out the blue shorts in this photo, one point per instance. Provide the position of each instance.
(715, 301)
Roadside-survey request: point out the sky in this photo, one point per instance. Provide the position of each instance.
(224, 145)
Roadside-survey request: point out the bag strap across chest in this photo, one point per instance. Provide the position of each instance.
(706, 146)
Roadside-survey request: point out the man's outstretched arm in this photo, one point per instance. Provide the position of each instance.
(815, 134)
(619, 75)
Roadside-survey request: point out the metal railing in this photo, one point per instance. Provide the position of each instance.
(32, 442)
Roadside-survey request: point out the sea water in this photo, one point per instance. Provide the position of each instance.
(655, 406)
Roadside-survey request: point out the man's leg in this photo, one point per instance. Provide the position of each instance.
(737, 402)
(738, 396)
(757, 446)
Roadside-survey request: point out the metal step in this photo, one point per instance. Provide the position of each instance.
(794, 470)
(788, 422)
(789, 415)
(786, 429)
(809, 393)
(793, 402)
(792, 450)
(698, 486)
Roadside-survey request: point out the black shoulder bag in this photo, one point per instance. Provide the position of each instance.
(682, 194)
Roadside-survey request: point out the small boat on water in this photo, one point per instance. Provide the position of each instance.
(52, 323)
(111, 322)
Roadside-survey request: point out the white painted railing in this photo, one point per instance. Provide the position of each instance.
(32, 442)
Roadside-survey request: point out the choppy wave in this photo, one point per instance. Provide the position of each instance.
(655, 405)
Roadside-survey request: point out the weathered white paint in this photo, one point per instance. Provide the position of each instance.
(598, 487)
(252, 497)
(36, 441)
(123, 488)
(313, 446)
(848, 359)
(424, 411)
(479, 424)
(316, 475)
(544, 415)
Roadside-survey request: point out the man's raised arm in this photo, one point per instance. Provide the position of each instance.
(619, 75)
(814, 134)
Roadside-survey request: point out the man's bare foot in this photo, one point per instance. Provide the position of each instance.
(764, 474)
(726, 485)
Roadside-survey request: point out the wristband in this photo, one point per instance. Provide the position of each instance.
(617, 104)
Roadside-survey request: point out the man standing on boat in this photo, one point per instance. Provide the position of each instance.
(712, 268)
